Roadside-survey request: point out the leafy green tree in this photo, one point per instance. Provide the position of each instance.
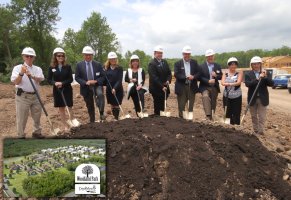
(51, 184)
(95, 32)
(7, 27)
(37, 19)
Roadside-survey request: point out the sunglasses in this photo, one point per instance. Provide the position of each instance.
(60, 56)
(27, 56)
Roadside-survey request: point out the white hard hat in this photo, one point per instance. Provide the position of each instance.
(88, 50)
(112, 55)
(159, 48)
(58, 50)
(256, 59)
(232, 59)
(134, 57)
(28, 51)
(186, 49)
(209, 52)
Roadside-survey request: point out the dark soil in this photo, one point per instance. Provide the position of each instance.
(170, 158)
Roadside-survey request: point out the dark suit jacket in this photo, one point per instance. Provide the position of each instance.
(179, 73)
(251, 82)
(64, 76)
(205, 76)
(81, 76)
(158, 76)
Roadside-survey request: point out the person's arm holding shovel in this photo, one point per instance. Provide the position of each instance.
(37, 77)
(118, 83)
(139, 86)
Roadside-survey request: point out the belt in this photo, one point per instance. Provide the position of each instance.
(28, 92)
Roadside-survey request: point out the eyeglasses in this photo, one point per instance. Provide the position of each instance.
(60, 56)
(28, 56)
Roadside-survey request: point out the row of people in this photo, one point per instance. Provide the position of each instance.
(92, 76)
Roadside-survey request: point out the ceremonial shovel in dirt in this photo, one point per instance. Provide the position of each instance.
(53, 130)
(249, 104)
(123, 116)
(141, 114)
(224, 119)
(165, 113)
(70, 122)
(186, 114)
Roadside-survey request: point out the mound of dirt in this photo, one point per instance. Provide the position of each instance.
(170, 158)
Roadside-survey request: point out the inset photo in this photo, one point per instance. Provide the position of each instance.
(38, 168)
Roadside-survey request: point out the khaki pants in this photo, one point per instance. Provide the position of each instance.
(258, 113)
(209, 97)
(24, 104)
(183, 99)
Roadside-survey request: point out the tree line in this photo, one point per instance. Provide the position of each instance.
(16, 147)
(33, 23)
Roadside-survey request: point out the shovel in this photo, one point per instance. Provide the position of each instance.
(186, 114)
(53, 130)
(214, 118)
(123, 116)
(96, 102)
(141, 114)
(165, 113)
(73, 122)
(249, 104)
(225, 119)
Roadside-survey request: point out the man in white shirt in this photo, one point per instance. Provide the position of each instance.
(26, 99)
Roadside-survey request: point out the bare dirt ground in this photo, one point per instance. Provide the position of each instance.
(277, 137)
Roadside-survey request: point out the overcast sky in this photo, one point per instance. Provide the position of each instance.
(224, 25)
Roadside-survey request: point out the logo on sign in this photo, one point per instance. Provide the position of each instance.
(89, 176)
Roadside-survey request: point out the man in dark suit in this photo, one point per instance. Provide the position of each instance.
(258, 106)
(209, 85)
(89, 74)
(186, 72)
(160, 77)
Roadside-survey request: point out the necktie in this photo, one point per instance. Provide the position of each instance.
(89, 72)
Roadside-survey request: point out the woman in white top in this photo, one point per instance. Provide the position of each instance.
(135, 76)
(232, 94)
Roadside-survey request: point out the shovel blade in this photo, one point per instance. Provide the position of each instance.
(188, 115)
(227, 120)
(70, 123)
(75, 122)
(55, 131)
(165, 114)
(125, 117)
(142, 114)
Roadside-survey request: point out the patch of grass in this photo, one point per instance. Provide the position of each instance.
(17, 182)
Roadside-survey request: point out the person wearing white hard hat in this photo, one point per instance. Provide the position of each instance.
(232, 94)
(60, 76)
(258, 105)
(135, 76)
(114, 74)
(186, 72)
(89, 74)
(209, 86)
(26, 99)
(160, 77)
